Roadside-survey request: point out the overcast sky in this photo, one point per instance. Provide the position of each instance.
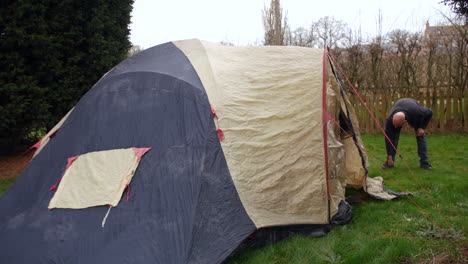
(240, 21)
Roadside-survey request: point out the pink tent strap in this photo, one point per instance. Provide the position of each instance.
(37, 145)
(220, 134)
(213, 112)
(140, 152)
(69, 163)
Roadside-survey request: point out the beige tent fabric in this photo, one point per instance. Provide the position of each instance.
(356, 174)
(336, 169)
(355, 171)
(46, 138)
(375, 187)
(271, 116)
(336, 151)
(96, 178)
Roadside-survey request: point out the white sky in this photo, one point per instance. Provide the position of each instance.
(240, 21)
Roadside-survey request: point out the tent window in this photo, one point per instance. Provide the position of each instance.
(97, 178)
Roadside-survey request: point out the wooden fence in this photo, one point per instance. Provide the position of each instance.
(450, 110)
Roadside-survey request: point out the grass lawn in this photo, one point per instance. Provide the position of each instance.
(391, 231)
(4, 184)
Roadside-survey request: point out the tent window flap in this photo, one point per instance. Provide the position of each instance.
(97, 178)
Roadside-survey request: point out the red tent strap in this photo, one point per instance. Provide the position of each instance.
(220, 134)
(140, 152)
(69, 163)
(38, 144)
(128, 192)
(213, 112)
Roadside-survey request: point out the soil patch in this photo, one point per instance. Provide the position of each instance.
(12, 165)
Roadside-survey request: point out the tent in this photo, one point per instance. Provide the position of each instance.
(194, 146)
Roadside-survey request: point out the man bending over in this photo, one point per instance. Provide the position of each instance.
(404, 111)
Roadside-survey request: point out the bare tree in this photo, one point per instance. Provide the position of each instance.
(352, 56)
(332, 32)
(432, 67)
(404, 48)
(275, 24)
(226, 43)
(455, 51)
(301, 37)
(134, 50)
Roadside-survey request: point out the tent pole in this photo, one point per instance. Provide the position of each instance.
(324, 126)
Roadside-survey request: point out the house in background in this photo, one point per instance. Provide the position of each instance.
(445, 37)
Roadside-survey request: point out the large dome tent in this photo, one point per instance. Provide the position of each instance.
(194, 146)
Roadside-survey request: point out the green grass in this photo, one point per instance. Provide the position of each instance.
(5, 184)
(391, 231)
(394, 231)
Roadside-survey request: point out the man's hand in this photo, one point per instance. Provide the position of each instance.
(390, 161)
(420, 132)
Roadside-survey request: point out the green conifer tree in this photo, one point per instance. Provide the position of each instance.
(51, 53)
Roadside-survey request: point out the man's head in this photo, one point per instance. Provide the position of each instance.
(399, 119)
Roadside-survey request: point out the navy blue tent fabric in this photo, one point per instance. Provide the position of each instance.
(183, 205)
